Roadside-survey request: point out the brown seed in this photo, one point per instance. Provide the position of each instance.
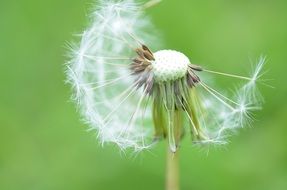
(195, 67)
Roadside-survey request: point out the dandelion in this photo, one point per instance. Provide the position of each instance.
(134, 96)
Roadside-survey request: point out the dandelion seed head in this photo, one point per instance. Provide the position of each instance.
(122, 87)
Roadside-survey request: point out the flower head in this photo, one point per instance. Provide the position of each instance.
(123, 88)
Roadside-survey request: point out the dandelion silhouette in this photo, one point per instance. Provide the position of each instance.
(122, 86)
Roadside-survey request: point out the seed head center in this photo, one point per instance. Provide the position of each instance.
(169, 65)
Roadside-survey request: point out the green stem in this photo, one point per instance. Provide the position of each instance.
(172, 170)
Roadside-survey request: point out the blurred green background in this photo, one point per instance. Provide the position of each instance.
(45, 146)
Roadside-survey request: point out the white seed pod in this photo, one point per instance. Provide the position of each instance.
(169, 65)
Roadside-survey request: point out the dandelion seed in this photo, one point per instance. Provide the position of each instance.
(122, 86)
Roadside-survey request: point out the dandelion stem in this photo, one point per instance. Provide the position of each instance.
(172, 170)
(228, 75)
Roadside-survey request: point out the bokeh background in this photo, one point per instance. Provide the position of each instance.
(45, 146)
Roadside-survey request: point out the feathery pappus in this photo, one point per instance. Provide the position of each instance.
(134, 95)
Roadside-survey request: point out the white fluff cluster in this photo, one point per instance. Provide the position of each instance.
(100, 75)
(219, 115)
(105, 90)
